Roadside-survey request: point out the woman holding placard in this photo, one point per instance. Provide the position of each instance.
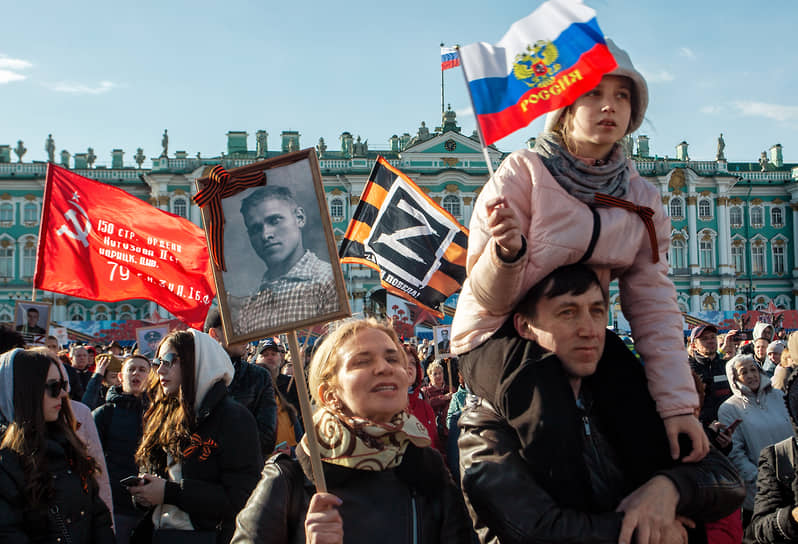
(378, 465)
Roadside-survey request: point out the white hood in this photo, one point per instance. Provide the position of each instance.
(211, 364)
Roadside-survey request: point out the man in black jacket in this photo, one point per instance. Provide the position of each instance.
(577, 434)
(251, 385)
(711, 368)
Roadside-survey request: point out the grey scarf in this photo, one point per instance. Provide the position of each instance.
(581, 180)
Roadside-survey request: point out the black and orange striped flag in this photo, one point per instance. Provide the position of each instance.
(417, 247)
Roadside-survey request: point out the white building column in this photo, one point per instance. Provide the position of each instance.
(59, 308)
(726, 294)
(195, 212)
(724, 236)
(692, 237)
(794, 207)
(695, 299)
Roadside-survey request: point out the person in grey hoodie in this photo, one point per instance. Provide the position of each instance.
(763, 420)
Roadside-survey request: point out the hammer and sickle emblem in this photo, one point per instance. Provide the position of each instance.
(81, 231)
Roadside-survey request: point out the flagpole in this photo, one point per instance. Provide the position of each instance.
(307, 414)
(474, 109)
(442, 100)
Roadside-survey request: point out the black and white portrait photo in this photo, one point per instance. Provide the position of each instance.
(32, 318)
(282, 269)
(441, 336)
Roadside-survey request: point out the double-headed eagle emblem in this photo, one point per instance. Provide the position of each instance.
(536, 67)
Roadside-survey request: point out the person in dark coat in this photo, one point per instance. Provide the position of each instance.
(385, 483)
(710, 366)
(199, 457)
(119, 424)
(775, 517)
(251, 386)
(47, 488)
(572, 416)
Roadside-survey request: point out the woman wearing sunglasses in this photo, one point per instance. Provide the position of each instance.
(47, 488)
(200, 455)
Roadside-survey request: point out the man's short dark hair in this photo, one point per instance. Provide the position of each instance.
(213, 320)
(10, 339)
(264, 193)
(33, 310)
(573, 279)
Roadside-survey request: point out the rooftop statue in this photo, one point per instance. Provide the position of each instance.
(49, 146)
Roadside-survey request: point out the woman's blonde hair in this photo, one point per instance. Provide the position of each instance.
(434, 365)
(326, 359)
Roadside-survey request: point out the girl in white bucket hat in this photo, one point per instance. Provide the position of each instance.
(575, 198)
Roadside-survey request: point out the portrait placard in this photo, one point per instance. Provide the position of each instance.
(441, 338)
(148, 338)
(281, 264)
(32, 319)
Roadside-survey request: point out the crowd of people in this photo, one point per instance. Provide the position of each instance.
(546, 427)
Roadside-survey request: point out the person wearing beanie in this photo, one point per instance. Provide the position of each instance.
(773, 357)
(574, 198)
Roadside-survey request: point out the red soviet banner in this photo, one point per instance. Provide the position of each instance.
(100, 243)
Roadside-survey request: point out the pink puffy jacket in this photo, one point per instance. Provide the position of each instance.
(558, 229)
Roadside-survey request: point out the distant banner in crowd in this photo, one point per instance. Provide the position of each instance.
(726, 320)
(544, 62)
(100, 243)
(418, 248)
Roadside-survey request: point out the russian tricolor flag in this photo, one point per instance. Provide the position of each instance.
(544, 62)
(449, 58)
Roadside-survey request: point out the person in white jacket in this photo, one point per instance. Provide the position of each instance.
(763, 420)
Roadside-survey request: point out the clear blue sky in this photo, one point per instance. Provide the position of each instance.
(109, 75)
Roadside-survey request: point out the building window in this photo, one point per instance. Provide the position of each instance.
(337, 209)
(736, 217)
(758, 259)
(776, 217)
(757, 217)
(452, 205)
(709, 304)
(778, 260)
(738, 258)
(706, 255)
(28, 260)
(677, 207)
(705, 208)
(76, 312)
(678, 260)
(180, 207)
(30, 215)
(6, 213)
(7, 262)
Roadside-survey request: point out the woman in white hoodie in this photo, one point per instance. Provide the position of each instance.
(200, 456)
(763, 420)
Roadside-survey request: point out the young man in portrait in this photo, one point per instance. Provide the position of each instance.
(297, 284)
(31, 324)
